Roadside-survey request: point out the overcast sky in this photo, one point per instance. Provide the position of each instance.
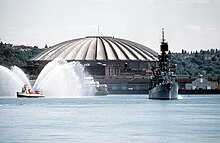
(189, 24)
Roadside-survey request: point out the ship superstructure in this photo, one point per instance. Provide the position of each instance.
(163, 83)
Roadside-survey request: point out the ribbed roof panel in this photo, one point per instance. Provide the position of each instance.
(98, 48)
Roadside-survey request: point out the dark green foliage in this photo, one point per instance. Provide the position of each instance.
(19, 56)
(206, 63)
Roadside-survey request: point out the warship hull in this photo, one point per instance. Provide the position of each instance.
(167, 91)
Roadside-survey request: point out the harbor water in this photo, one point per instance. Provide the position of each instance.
(110, 119)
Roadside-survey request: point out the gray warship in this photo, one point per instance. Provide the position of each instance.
(163, 83)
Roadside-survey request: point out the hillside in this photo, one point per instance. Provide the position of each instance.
(16, 55)
(206, 63)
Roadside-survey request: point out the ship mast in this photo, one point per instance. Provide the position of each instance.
(163, 58)
(163, 40)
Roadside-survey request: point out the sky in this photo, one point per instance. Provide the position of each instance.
(189, 24)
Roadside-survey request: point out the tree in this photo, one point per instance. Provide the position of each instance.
(10, 56)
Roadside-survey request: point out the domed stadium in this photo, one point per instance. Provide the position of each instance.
(101, 50)
(123, 65)
(98, 48)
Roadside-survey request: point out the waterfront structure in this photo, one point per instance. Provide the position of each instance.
(201, 84)
(121, 64)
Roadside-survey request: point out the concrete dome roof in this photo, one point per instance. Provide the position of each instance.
(98, 48)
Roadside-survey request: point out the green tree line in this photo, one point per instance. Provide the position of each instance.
(11, 55)
(205, 63)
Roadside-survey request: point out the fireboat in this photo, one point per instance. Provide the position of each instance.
(28, 93)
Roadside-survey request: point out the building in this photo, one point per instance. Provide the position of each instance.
(109, 51)
(201, 84)
(112, 61)
(112, 70)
